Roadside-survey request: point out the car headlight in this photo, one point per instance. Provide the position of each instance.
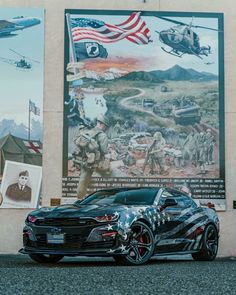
(107, 218)
(31, 219)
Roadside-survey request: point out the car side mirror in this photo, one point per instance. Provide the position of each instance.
(169, 203)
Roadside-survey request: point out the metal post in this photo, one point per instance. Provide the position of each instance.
(29, 123)
(70, 37)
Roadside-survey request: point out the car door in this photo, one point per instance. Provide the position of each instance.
(180, 215)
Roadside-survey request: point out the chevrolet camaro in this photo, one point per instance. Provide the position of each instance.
(129, 224)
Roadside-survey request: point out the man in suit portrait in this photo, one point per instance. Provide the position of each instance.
(20, 191)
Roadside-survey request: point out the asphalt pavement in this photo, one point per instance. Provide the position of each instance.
(20, 275)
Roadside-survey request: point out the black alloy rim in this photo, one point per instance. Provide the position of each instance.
(212, 242)
(140, 244)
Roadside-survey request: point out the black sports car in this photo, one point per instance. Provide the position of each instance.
(129, 224)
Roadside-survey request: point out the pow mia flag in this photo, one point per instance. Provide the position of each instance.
(86, 50)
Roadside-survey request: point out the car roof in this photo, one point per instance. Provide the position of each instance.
(120, 189)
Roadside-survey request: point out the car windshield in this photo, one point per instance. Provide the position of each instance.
(121, 197)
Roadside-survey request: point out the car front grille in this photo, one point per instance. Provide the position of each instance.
(65, 222)
(72, 241)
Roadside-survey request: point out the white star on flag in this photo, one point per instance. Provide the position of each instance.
(120, 223)
(122, 248)
(126, 225)
(109, 227)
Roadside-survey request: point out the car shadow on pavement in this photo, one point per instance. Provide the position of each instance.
(15, 261)
(12, 261)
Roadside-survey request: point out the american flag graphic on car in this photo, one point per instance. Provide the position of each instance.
(156, 219)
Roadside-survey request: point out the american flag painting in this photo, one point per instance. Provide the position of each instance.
(32, 108)
(134, 29)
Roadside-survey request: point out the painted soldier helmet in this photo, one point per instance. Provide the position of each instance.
(157, 135)
(104, 120)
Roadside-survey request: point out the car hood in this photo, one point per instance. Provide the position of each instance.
(71, 211)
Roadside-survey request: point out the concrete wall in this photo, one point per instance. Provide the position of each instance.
(11, 221)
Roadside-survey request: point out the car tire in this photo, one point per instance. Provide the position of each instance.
(42, 258)
(141, 246)
(209, 247)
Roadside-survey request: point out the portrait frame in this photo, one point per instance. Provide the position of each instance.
(10, 177)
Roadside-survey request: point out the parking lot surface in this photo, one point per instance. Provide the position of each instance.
(175, 275)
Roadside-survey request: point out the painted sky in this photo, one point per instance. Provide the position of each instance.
(17, 85)
(129, 56)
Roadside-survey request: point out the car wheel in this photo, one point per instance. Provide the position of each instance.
(209, 248)
(141, 245)
(43, 258)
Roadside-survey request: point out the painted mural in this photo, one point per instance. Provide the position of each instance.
(144, 102)
(21, 80)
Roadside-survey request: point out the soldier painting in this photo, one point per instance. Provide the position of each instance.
(189, 148)
(20, 191)
(116, 130)
(210, 141)
(201, 152)
(90, 155)
(156, 155)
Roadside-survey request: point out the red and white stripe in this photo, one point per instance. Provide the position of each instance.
(133, 29)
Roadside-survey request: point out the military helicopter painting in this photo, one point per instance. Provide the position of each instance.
(22, 63)
(183, 40)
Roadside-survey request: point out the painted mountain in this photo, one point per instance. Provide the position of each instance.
(20, 130)
(176, 73)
